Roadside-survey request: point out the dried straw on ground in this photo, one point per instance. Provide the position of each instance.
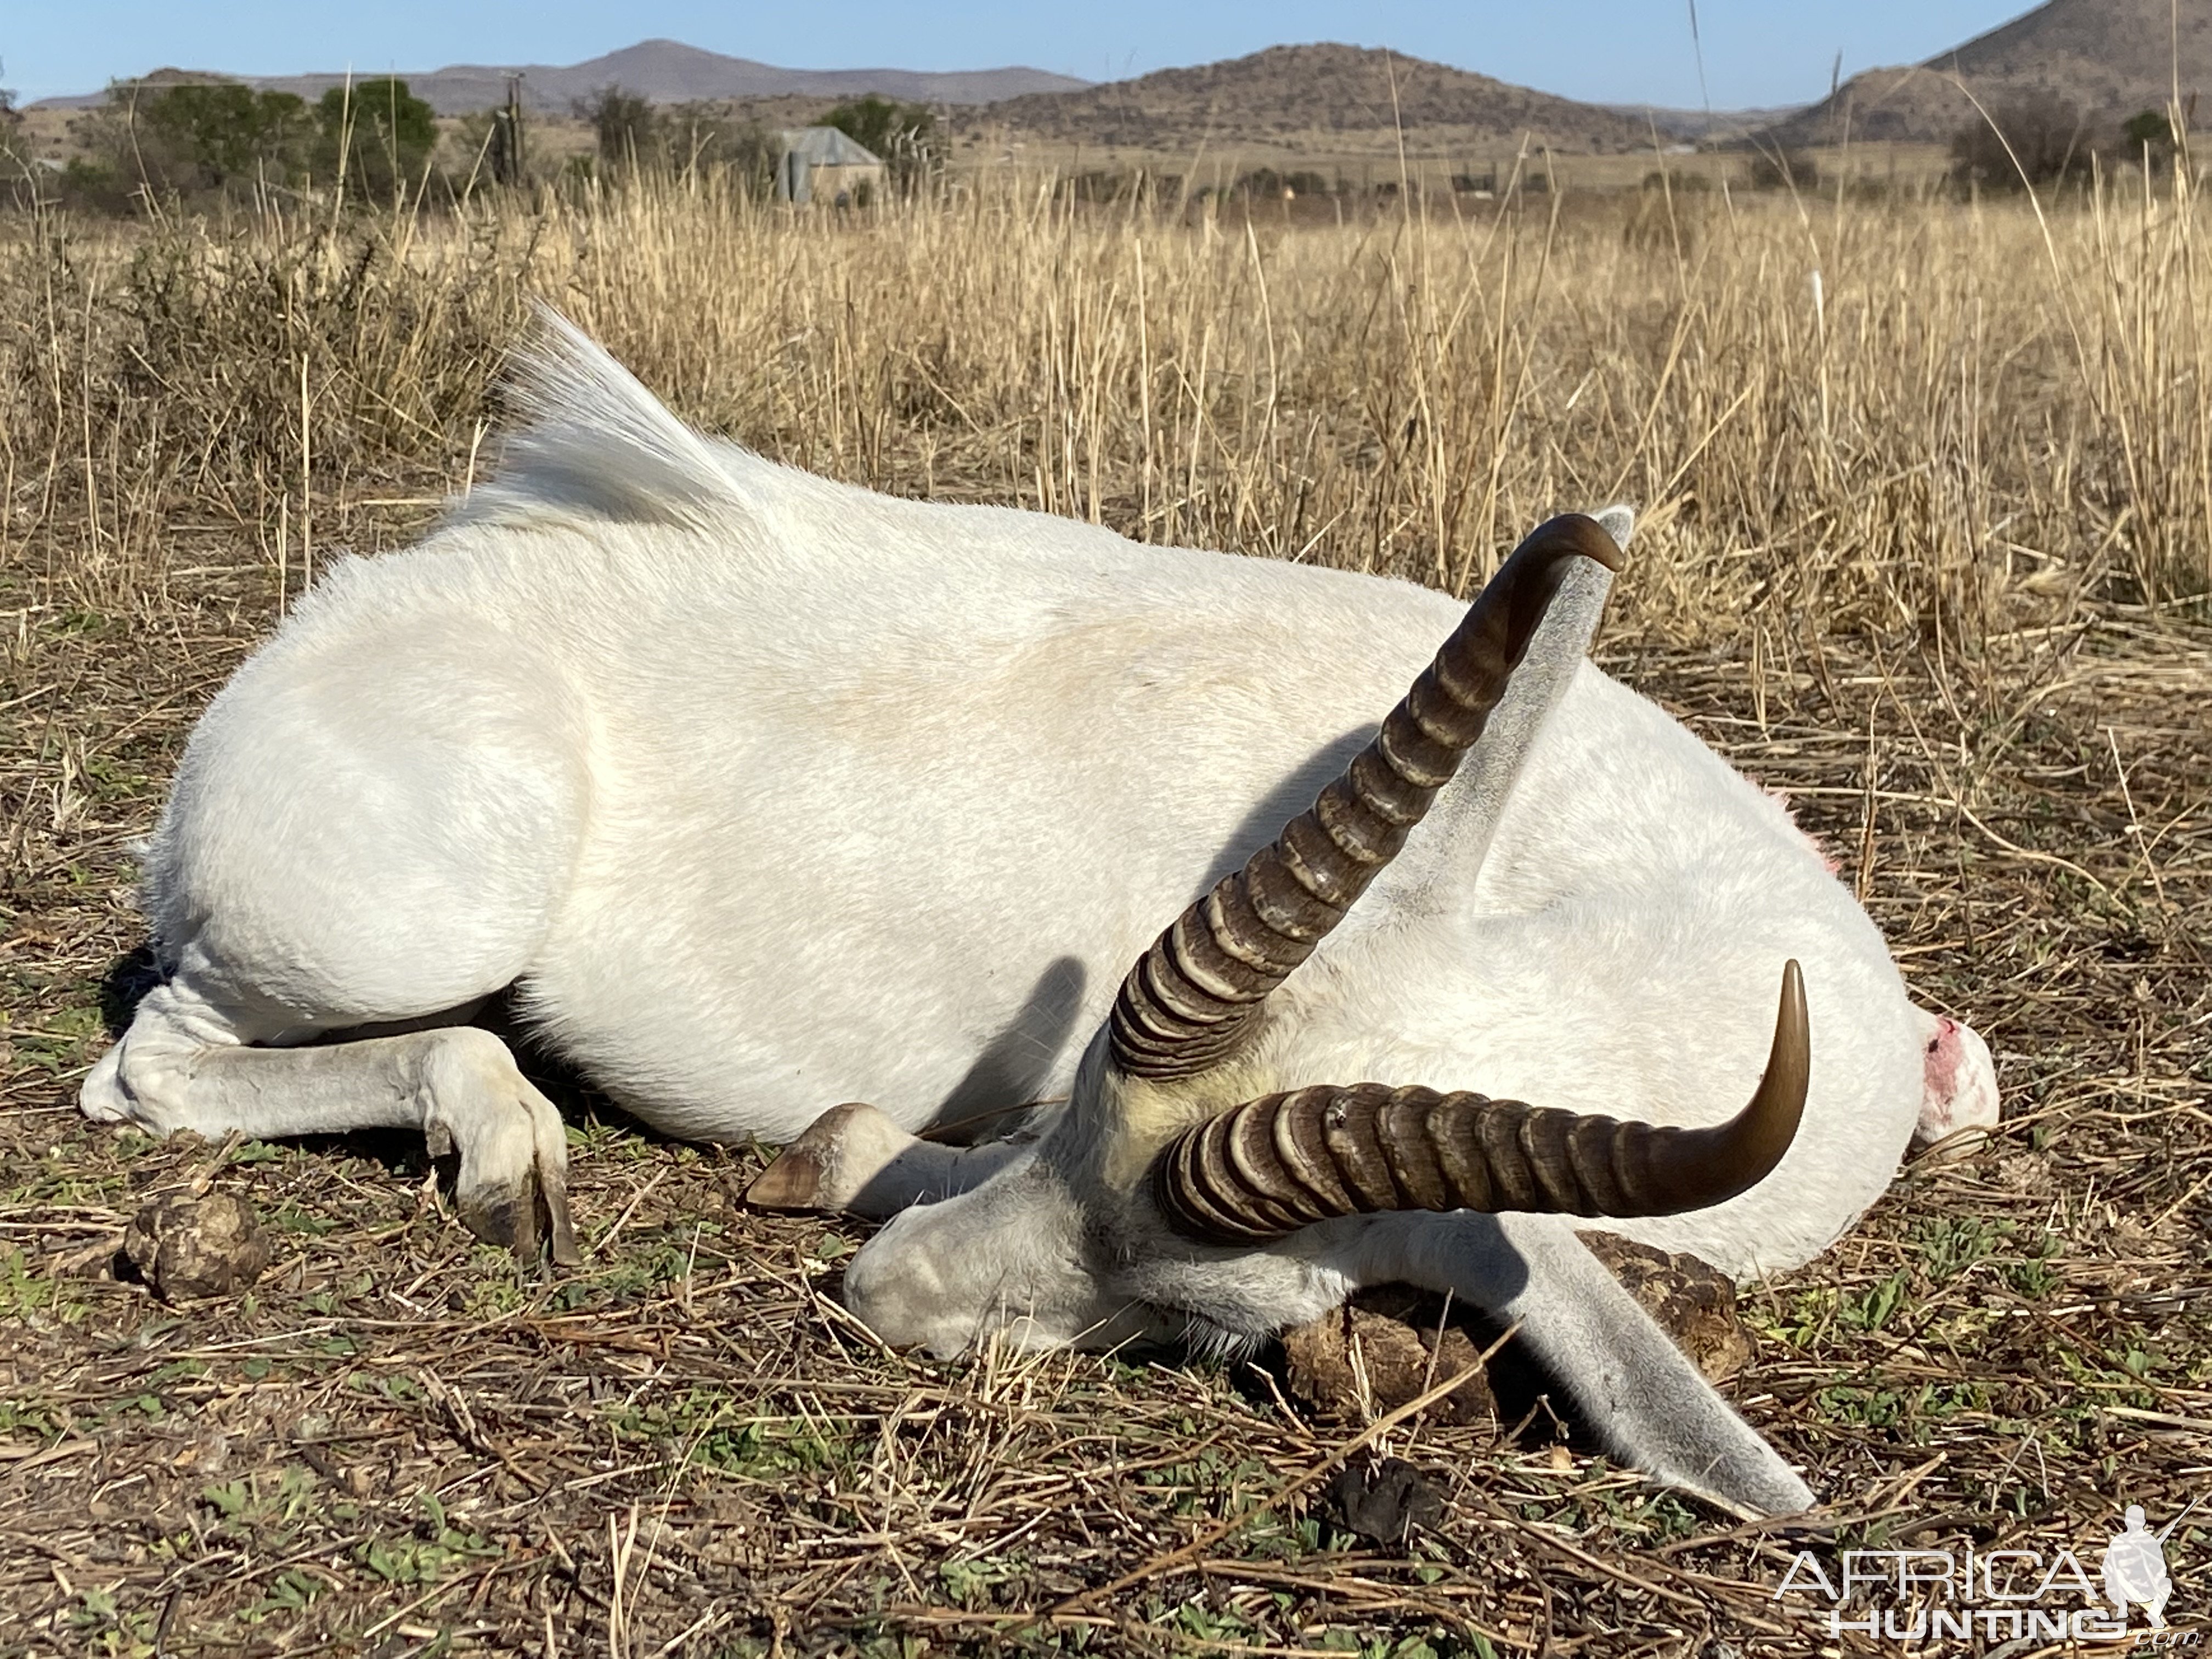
(1928, 491)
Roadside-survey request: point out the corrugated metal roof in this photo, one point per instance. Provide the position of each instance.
(826, 147)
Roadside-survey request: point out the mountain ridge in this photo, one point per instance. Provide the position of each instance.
(664, 72)
(1317, 88)
(2110, 57)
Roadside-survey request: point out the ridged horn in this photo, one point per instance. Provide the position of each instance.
(1273, 1165)
(1190, 999)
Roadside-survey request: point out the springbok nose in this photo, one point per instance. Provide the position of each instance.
(1959, 1082)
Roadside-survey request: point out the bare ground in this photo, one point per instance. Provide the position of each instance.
(397, 1443)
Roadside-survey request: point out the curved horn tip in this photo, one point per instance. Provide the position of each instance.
(1590, 536)
(1791, 1022)
(1770, 1119)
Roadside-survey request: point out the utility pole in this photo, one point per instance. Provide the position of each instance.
(514, 124)
(507, 142)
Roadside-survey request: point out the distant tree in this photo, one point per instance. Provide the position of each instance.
(1784, 169)
(2150, 137)
(378, 133)
(624, 124)
(2035, 139)
(693, 138)
(903, 137)
(185, 137)
(700, 138)
(208, 136)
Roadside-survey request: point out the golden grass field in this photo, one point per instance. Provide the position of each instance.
(1927, 542)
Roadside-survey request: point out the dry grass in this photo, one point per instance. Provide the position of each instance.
(1922, 546)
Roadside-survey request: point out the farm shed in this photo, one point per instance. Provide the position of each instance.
(822, 163)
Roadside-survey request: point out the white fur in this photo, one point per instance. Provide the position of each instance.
(768, 793)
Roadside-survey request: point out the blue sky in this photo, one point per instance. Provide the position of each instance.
(1756, 52)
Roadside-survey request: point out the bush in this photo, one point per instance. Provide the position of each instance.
(2033, 140)
(1266, 182)
(188, 138)
(193, 138)
(1784, 169)
(12, 153)
(682, 138)
(699, 137)
(623, 122)
(902, 137)
(2150, 138)
(96, 186)
(208, 136)
(1662, 183)
(377, 135)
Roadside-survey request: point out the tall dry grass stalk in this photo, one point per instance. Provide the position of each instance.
(1962, 420)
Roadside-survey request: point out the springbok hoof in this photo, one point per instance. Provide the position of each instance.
(826, 1168)
(505, 1215)
(527, 1218)
(512, 1186)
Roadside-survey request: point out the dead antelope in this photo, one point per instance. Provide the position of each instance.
(760, 792)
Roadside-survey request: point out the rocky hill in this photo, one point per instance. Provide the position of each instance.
(2109, 58)
(1312, 93)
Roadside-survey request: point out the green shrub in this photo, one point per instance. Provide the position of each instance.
(377, 136)
(903, 137)
(678, 138)
(623, 122)
(2033, 140)
(211, 136)
(1784, 169)
(2150, 138)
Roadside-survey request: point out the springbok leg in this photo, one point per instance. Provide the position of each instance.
(853, 1159)
(185, 1064)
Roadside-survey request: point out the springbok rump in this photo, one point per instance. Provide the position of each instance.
(762, 793)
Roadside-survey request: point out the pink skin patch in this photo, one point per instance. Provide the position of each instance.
(1959, 1081)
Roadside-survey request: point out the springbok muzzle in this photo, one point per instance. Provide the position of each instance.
(1273, 1165)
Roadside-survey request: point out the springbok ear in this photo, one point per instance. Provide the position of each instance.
(1470, 806)
(1192, 998)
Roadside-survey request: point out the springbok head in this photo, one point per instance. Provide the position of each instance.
(1180, 1144)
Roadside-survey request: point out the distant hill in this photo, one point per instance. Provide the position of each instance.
(665, 71)
(1312, 93)
(2112, 58)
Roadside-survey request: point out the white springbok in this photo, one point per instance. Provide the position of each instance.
(762, 793)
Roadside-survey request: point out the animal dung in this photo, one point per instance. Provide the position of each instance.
(189, 1246)
(1383, 1349)
(1388, 1345)
(1382, 1499)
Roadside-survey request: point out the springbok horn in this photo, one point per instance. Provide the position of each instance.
(1190, 999)
(1283, 1162)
